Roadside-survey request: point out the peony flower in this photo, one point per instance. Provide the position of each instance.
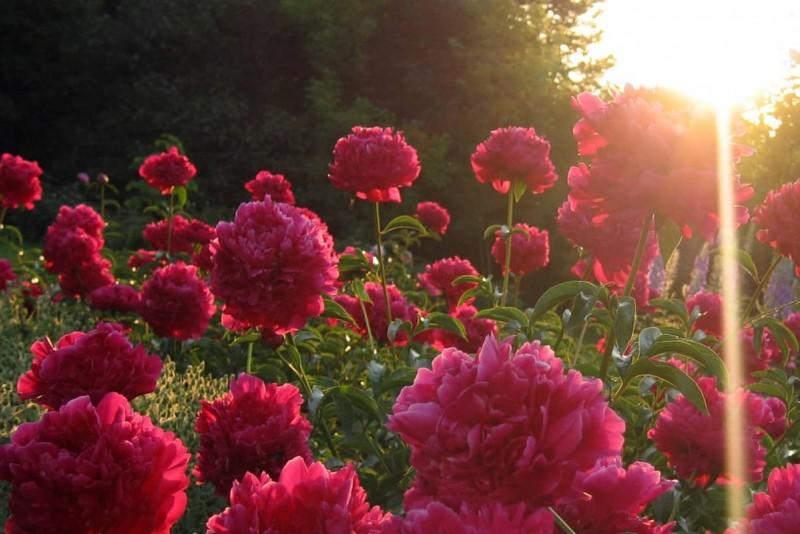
(254, 427)
(278, 188)
(694, 442)
(75, 237)
(141, 257)
(90, 363)
(374, 163)
(710, 307)
(433, 216)
(167, 170)
(175, 302)
(769, 353)
(776, 511)
(305, 499)
(94, 469)
(530, 250)
(489, 518)
(477, 330)
(186, 233)
(85, 277)
(19, 182)
(115, 297)
(777, 218)
(439, 276)
(507, 427)
(514, 155)
(272, 264)
(376, 312)
(6, 274)
(616, 497)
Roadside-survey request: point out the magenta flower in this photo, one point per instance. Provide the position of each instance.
(167, 170)
(19, 182)
(710, 307)
(436, 518)
(438, 277)
(176, 303)
(776, 511)
(530, 250)
(433, 216)
(376, 311)
(115, 297)
(777, 218)
(278, 188)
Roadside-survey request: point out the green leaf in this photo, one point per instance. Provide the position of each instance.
(181, 196)
(673, 376)
(710, 360)
(446, 322)
(491, 229)
(353, 263)
(647, 337)
(519, 190)
(404, 222)
(505, 314)
(624, 322)
(469, 294)
(466, 279)
(360, 291)
(250, 337)
(767, 389)
(335, 310)
(13, 230)
(669, 237)
(745, 261)
(674, 306)
(576, 317)
(561, 293)
(396, 327)
(358, 397)
(781, 333)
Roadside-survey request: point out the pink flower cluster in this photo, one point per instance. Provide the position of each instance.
(189, 236)
(176, 302)
(514, 155)
(19, 182)
(376, 312)
(776, 511)
(275, 186)
(438, 278)
(530, 249)
(167, 170)
(709, 306)
(780, 226)
(433, 216)
(436, 518)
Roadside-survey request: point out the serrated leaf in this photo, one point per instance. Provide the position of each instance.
(669, 237)
(404, 222)
(505, 314)
(561, 293)
(698, 352)
(624, 322)
(673, 376)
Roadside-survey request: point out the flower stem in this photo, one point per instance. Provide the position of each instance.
(760, 287)
(169, 221)
(507, 264)
(565, 528)
(366, 324)
(381, 263)
(249, 364)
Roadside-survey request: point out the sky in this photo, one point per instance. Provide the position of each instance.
(709, 49)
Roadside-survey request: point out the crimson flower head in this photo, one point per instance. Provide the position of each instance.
(254, 427)
(436, 518)
(433, 216)
(530, 249)
(186, 234)
(507, 427)
(19, 182)
(477, 330)
(514, 154)
(376, 311)
(305, 498)
(90, 363)
(176, 303)
(167, 170)
(777, 218)
(6, 274)
(141, 258)
(115, 297)
(438, 277)
(710, 307)
(278, 188)
(94, 468)
(776, 511)
(272, 265)
(374, 163)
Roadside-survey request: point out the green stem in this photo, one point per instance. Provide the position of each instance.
(507, 264)
(560, 522)
(760, 287)
(169, 221)
(366, 324)
(381, 265)
(249, 365)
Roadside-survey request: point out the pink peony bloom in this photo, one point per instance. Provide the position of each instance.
(530, 250)
(507, 427)
(254, 427)
(694, 442)
(115, 297)
(768, 355)
(90, 363)
(6, 274)
(141, 257)
(477, 331)
(175, 302)
(776, 511)
(305, 499)
(85, 277)
(777, 218)
(186, 233)
(490, 518)
(514, 155)
(433, 216)
(272, 264)
(616, 498)
(94, 469)
(75, 237)
(438, 279)
(710, 307)
(376, 312)
(374, 163)
(167, 170)
(278, 188)
(19, 182)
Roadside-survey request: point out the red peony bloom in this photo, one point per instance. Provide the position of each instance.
(175, 302)
(6, 274)
(115, 297)
(305, 499)
(433, 216)
(694, 442)
(514, 155)
(272, 264)
(167, 170)
(374, 163)
(94, 469)
(477, 331)
(87, 276)
(19, 182)
(777, 218)
(436, 518)
(90, 363)
(75, 237)
(710, 307)
(278, 188)
(255, 427)
(186, 233)
(141, 257)
(503, 427)
(530, 250)
(616, 497)
(376, 312)
(778, 510)
(439, 275)
(769, 353)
